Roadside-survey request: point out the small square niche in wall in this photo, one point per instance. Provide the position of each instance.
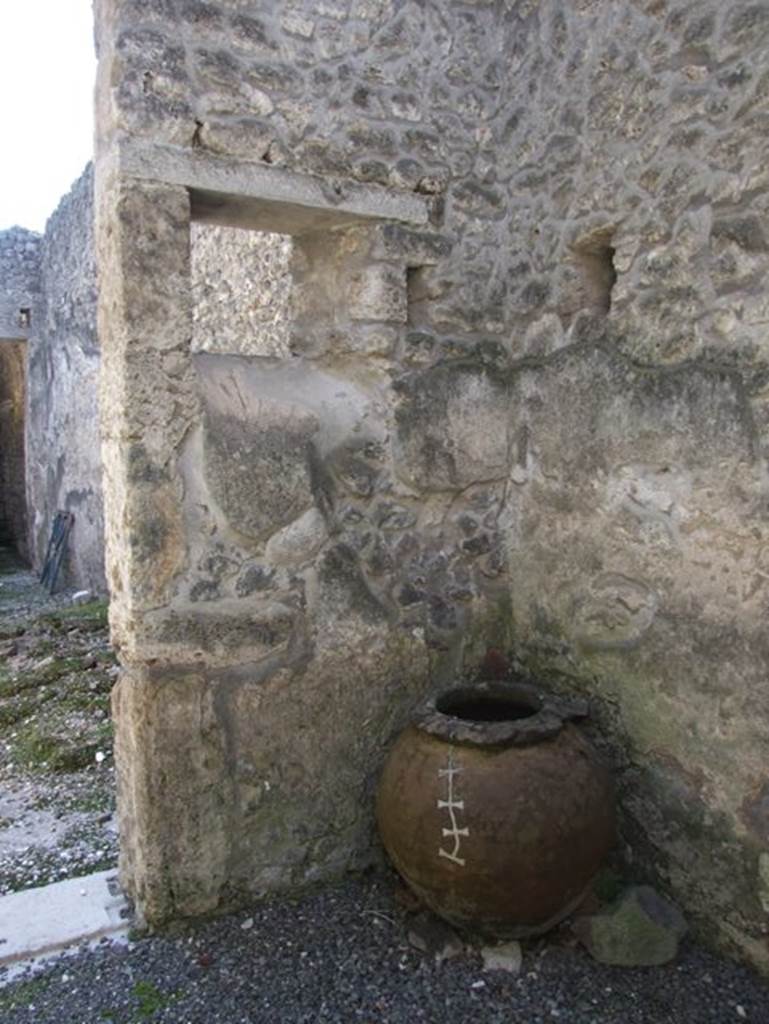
(595, 258)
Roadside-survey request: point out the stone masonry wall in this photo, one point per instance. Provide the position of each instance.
(63, 445)
(637, 521)
(536, 421)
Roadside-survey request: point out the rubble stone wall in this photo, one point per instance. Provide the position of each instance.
(535, 420)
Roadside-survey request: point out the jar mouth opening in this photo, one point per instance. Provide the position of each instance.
(495, 704)
(497, 715)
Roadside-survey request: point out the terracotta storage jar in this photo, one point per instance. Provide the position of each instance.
(496, 809)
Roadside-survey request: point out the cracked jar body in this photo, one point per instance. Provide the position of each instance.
(495, 809)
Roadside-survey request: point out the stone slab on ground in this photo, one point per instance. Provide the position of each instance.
(434, 937)
(505, 956)
(640, 929)
(56, 917)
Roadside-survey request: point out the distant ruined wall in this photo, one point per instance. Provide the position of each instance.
(63, 445)
(19, 280)
(19, 299)
(524, 409)
(50, 445)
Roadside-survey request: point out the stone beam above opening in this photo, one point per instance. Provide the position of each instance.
(239, 193)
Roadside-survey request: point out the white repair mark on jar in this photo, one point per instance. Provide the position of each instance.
(452, 806)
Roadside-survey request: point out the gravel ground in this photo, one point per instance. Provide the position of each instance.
(342, 955)
(56, 772)
(52, 829)
(21, 596)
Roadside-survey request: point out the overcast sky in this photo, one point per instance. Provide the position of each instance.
(47, 72)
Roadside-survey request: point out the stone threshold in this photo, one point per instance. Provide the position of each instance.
(36, 924)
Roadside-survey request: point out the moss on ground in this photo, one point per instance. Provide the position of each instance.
(55, 688)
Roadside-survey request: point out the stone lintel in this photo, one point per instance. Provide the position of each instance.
(238, 193)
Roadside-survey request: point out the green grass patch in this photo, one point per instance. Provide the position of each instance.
(22, 706)
(23, 993)
(42, 648)
(33, 748)
(91, 615)
(12, 630)
(151, 999)
(37, 676)
(97, 802)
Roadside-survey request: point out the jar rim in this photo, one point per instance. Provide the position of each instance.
(498, 714)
